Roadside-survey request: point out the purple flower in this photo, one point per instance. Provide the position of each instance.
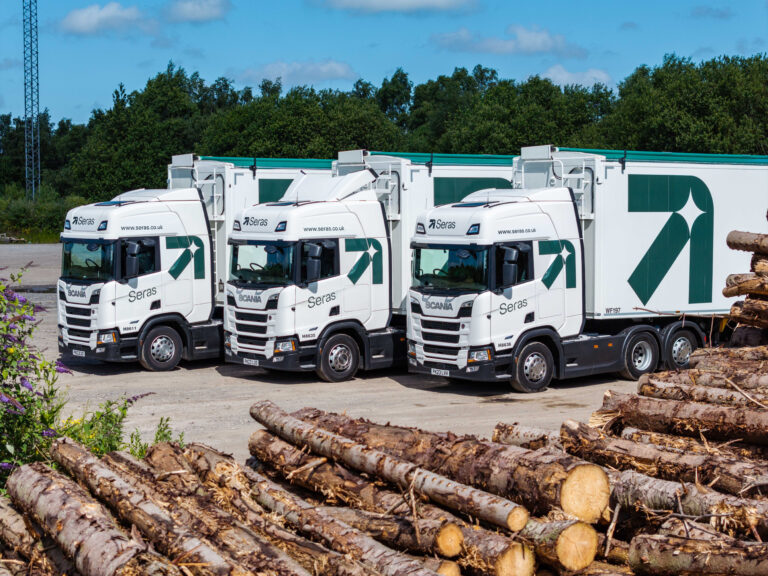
(26, 383)
(49, 433)
(27, 317)
(13, 326)
(6, 466)
(21, 299)
(4, 399)
(61, 369)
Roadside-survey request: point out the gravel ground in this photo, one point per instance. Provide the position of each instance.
(209, 402)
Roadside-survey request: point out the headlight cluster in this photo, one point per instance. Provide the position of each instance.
(107, 338)
(479, 355)
(411, 349)
(285, 346)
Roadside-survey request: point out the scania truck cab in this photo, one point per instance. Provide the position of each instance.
(141, 274)
(595, 262)
(319, 279)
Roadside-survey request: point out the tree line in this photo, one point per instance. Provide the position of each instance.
(715, 106)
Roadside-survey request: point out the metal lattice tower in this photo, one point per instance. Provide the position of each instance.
(31, 99)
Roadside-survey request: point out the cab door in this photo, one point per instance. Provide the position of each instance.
(319, 292)
(514, 306)
(138, 293)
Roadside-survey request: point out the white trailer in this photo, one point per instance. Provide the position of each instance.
(142, 274)
(597, 261)
(319, 280)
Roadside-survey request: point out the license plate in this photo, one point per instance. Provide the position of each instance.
(80, 353)
(438, 372)
(250, 362)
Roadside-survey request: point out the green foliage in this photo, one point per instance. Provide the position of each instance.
(163, 433)
(100, 430)
(29, 219)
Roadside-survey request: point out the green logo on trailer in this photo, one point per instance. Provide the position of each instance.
(193, 251)
(371, 255)
(566, 259)
(689, 203)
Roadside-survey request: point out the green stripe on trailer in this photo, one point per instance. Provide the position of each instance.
(272, 162)
(451, 159)
(639, 156)
(271, 190)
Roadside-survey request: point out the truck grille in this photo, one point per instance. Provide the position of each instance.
(75, 333)
(78, 311)
(438, 337)
(249, 317)
(437, 325)
(79, 322)
(250, 328)
(256, 342)
(445, 350)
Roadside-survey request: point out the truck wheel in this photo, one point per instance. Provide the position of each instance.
(161, 349)
(533, 369)
(641, 356)
(679, 349)
(339, 358)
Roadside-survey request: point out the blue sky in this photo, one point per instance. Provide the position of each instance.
(87, 48)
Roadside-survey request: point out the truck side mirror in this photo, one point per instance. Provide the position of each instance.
(509, 267)
(314, 253)
(131, 260)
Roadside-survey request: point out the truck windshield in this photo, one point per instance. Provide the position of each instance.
(450, 268)
(268, 264)
(87, 261)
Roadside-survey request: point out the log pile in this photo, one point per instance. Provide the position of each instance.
(751, 314)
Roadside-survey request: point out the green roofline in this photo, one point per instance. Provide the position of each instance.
(272, 162)
(638, 156)
(451, 159)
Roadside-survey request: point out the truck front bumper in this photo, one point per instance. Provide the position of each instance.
(490, 371)
(125, 350)
(287, 361)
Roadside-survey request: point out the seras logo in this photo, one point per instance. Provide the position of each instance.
(438, 305)
(437, 224)
(80, 221)
(135, 295)
(251, 221)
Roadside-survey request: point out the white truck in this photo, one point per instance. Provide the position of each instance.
(319, 280)
(596, 261)
(142, 275)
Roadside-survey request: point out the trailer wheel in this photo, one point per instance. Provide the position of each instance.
(161, 349)
(339, 358)
(533, 368)
(680, 346)
(641, 356)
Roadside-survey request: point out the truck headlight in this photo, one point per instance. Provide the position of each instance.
(107, 338)
(411, 348)
(285, 346)
(479, 355)
(227, 340)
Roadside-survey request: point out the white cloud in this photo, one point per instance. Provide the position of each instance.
(304, 72)
(399, 5)
(521, 41)
(559, 75)
(197, 10)
(93, 20)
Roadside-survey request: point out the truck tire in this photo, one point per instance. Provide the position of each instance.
(161, 349)
(640, 356)
(680, 346)
(533, 369)
(339, 358)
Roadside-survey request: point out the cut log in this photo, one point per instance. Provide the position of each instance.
(133, 506)
(434, 537)
(694, 530)
(723, 473)
(651, 388)
(690, 418)
(441, 566)
(741, 284)
(539, 479)
(640, 493)
(684, 445)
(477, 503)
(618, 552)
(753, 377)
(80, 525)
(750, 354)
(29, 540)
(759, 265)
(310, 520)
(525, 436)
(485, 552)
(605, 569)
(750, 313)
(664, 555)
(181, 494)
(747, 242)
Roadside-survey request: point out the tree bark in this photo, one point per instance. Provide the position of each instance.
(689, 419)
(685, 445)
(80, 525)
(432, 537)
(747, 242)
(310, 520)
(525, 436)
(408, 476)
(539, 479)
(740, 284)
(752, 377)
(722, 473)
(174, 486)
(664, 554)
(759, 265)
(605, 569)
(748, 354)
(637, 493)
(135, 507)
(485, 552)
(719, 396)
(441, 566)
(618, 553)
(695, 530)
(28, 540)
(750, 312)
